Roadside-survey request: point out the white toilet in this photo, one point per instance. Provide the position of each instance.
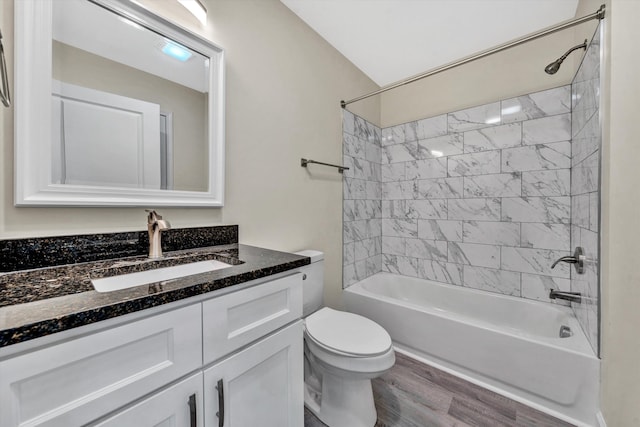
(343, 352)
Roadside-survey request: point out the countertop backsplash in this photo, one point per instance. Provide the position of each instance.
(40, 252)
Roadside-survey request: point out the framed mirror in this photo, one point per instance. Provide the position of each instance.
(115, 106)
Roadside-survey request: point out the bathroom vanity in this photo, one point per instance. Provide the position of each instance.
(92, 331)
(220, 348)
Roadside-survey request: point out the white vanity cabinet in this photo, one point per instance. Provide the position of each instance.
(177, 405)
(163, 369)
(239, 318)
(73, 382)
(262, 385)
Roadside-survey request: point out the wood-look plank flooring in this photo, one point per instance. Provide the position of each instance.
(413, 394)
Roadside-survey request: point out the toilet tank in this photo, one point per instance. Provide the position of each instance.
(313, 284)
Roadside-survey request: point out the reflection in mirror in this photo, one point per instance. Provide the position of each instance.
(115, 106)
(129, 105)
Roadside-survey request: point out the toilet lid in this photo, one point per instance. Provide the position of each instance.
(347, 333)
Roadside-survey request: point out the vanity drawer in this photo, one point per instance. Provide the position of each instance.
(74, 382)
(236, 319)
(178, 405)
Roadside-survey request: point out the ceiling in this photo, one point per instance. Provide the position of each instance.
(390, 40)
(94, 29)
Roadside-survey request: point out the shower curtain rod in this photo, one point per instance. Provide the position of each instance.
(599, 14)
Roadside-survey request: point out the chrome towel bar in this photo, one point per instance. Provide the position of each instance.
(305, 162)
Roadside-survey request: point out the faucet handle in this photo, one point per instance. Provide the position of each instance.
(577, 259)
(568, 259)
(153, 216)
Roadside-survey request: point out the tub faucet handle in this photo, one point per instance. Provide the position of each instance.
(568, 259)
(577, 259)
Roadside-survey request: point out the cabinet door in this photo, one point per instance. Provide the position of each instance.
(178, 406)
(258, 386)
(77, 381)
(239, 318)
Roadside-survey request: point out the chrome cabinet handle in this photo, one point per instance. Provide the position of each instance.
(220, 413)
(577, 260)
(192, 411)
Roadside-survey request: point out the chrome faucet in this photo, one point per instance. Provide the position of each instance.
(156, 224)
(568, 296)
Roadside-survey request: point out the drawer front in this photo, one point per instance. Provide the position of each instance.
(178, 405)
(234, 320)
(74, 382)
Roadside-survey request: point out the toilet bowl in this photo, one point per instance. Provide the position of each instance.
(343, 352)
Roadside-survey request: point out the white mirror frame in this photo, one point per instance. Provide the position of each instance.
(33, 115)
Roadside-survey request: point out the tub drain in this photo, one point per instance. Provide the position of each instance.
(565, 331)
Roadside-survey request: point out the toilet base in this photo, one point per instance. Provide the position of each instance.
(342, 402)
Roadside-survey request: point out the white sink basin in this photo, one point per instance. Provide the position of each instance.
(124, 281)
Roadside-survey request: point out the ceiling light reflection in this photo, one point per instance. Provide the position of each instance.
(176, 51)
(512, 110)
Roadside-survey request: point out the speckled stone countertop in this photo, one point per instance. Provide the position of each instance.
(43, 301)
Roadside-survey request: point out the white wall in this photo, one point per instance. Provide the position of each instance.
(620, 209)
(284, 84)
(513, 72)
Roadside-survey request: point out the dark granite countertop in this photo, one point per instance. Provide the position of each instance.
(39, 302)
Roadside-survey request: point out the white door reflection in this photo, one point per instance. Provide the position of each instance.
(105, 139)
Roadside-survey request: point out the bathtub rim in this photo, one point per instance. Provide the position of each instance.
(581, 347)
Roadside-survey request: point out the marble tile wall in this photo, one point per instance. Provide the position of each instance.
(585, 186)
(487, 197)
(481, 197)
(362, 205)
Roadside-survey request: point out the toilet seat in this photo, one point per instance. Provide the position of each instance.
(347, 334)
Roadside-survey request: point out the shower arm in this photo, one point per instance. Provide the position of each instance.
(580, 46)
(599, 15)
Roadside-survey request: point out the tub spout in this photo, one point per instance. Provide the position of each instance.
(568, 296)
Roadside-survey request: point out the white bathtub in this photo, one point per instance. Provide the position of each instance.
(507, 344)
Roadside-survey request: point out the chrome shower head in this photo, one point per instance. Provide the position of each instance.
(555, 65)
